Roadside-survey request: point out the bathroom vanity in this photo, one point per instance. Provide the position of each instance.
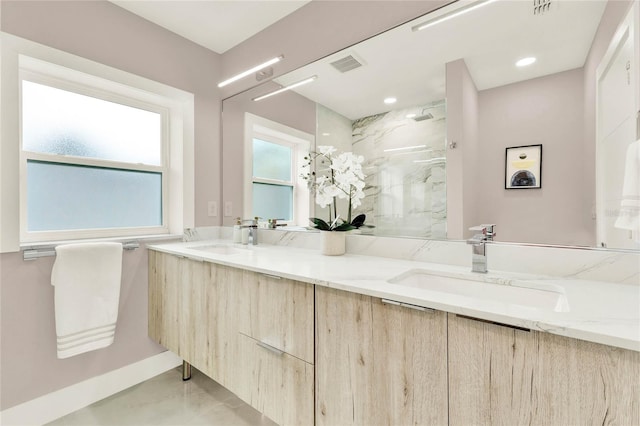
(311, 339)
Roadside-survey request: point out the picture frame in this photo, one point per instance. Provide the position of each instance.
(523, 167)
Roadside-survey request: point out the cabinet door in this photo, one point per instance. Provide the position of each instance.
(586, 383)
(378, 363)
(164, 300)
(504, 376)
(491, 373)
(178, 309)
(223, 284)
(275, 383)
(278, 312)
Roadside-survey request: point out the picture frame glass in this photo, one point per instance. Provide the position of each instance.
(523, 166)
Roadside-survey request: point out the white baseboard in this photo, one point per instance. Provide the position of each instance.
(54, 405)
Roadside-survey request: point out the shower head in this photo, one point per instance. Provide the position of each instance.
(423, 116)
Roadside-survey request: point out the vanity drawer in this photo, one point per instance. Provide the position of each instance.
(278, 312)
(275, 383)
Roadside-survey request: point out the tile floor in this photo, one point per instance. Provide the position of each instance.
(167, 400)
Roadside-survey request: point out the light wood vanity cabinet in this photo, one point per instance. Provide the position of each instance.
(504, 376)
(378, 363)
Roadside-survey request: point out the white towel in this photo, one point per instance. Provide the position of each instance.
(86, 278)
(629, 217)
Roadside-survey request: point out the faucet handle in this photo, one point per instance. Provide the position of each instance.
(254, 221)
(490, 230)
(486, 229)
(272, 223)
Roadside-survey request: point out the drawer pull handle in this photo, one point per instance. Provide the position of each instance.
(270, 348)
(407, 305)
(275, 277)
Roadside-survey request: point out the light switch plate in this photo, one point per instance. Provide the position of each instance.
(212, 208)
(228, 208)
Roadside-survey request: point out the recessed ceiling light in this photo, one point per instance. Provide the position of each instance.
(411, 115)
(390, 100)
(525, 61)
(326, 134)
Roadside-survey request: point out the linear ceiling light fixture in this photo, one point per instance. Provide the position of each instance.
(450, 15)
(285, 88)
(251, 71)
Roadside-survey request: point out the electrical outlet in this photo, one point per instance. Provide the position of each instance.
(212, 208)
(228, 208)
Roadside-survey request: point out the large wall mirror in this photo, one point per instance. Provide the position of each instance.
(478, 132)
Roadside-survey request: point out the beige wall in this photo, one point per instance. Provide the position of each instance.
(28, 359)
(102, 32)
(462, 128)
(547, 111)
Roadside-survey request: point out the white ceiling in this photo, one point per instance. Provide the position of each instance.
(215, 24)
(410, 65)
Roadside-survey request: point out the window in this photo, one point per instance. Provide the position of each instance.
(91, 163)
(273, 172)
(275, 153)
(89, 151)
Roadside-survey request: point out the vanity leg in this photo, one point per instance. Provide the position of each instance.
(186, 371)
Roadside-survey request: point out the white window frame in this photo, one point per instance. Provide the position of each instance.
(300, 143)
(275, 139)
(94, 92)
(22, 58)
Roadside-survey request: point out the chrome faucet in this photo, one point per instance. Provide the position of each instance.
(485, 233)
(253, 230)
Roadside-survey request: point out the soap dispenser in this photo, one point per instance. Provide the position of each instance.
(237, 231)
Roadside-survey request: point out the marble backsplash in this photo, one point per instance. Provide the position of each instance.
(588, 264)
(405, 168)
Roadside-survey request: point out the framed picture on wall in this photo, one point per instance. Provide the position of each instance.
(523, 167)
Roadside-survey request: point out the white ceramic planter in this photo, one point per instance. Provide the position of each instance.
(332, 243)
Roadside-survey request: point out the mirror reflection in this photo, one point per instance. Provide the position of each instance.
(459, 93)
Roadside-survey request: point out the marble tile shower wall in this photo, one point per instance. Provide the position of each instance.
(405, 188)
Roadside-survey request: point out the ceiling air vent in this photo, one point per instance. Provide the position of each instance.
(347, 63)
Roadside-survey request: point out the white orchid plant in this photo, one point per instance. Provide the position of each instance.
(337, 176)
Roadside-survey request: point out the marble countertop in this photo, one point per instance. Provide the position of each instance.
(601, 312)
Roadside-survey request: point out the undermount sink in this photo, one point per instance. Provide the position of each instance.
(220, 249)
(540, 296)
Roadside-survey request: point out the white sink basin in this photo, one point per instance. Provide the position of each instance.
(532, 295)
(220, 249)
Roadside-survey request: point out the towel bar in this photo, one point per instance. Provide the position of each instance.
(33, 254)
